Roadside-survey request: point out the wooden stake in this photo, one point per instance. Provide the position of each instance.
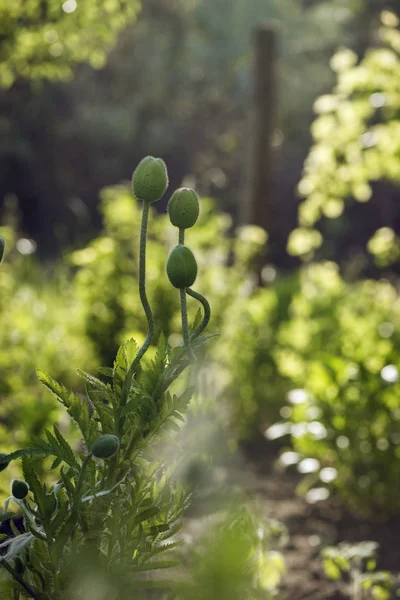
(256, 205)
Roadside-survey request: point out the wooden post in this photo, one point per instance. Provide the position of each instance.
(256, 205)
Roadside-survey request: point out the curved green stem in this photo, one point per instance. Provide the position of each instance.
(207, 312)
(185, 325)
(142, 283)
(181, 236)
(146, 306)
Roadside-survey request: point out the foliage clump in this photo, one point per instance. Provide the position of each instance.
(112, 503)
(41, 39)
(356, 142)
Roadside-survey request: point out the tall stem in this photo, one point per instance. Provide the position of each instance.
(142, 282)
(207, 312)
(146, 306)
(185, 325)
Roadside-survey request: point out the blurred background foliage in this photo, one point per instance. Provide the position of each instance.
(355, 154)
(43, 39)
(308, 355)
(177, 83)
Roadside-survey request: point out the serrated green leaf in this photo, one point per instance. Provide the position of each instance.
(25, 452)
(66, 450)
(151, 566)
(55, 464)
(66, 479)
(5, 516)
(106, 371)
(96, 383)
(65, 532)
(59, 517)
(14, 528)
(197, 320)
(166, 547)
(35, 486)
(77, 407)
(125, 357)
(148, 514)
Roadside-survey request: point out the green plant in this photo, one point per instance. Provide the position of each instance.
(353, 566)
(340, 350)
(228, 264)
(112, 505)
(48, 44)
(239, 558)
(40, 320)
(356, 142)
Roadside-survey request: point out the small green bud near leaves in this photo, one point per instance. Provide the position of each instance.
(105, 446)
(2, 249)
(183, 208)
(3, 465)
(19, 489)
(150, 179)
(182, 267)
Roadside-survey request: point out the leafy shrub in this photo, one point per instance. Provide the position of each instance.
(253, 384)
(40, 322)
(340, 349)
(112, 503)
(49, 43)
(238, 559)
(353, 566)
(356, 141)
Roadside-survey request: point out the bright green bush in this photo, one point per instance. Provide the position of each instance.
(356, 142)
(40, 39)
(107, 518)
(114, 500)
(341, 350)
(40, 323)
(253, 384)
(353, 566)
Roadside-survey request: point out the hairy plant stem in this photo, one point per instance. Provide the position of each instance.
(185, 325)
(207, 312)
(21, 581)
(112, 473)
(146, 307)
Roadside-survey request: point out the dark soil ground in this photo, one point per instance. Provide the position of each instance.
(310, 527)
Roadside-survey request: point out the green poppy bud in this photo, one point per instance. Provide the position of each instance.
(19, 489)
(181, 267)
(2, 249)
(3, 464)
(150, 179)
(183, 208)
(105, 446)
